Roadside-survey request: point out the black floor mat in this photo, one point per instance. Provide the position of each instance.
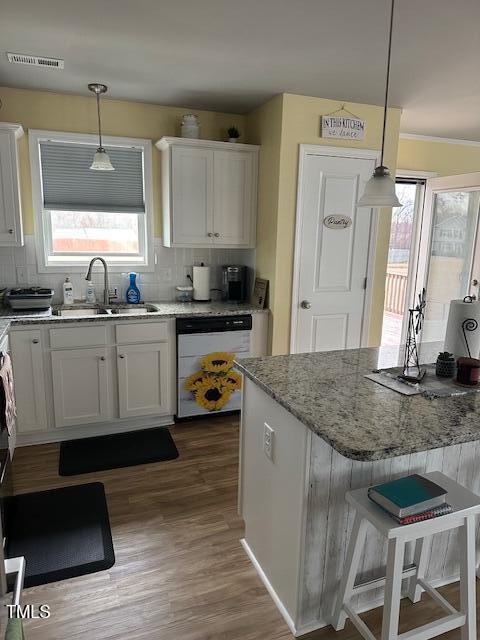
(63, 533)
(116, 450)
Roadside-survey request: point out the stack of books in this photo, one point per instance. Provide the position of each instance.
(411, 499)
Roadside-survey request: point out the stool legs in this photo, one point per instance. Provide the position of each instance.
(467, 579)
(393, 588)
(420, 561)
(355, 548)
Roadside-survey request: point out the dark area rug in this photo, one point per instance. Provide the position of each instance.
(116, 450)
(63, 533)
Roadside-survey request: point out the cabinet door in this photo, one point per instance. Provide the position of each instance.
(10, 214)
(80, 386)
(192, 196)
(144, 375)
(234, 203)
(28, 377)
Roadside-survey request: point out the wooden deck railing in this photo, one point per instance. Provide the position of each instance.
(395, 292)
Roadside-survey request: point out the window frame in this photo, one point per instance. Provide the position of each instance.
(42, 218)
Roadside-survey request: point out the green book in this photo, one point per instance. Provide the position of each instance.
(408, 496)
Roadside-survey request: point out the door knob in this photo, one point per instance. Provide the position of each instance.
(210, 235)
(305, 304)
(121, 356)
(35, 341)
(102, 358)
(217, 235)
(475, 282)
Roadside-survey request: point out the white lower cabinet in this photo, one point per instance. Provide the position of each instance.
(144, 379)
(80, 386)
(29, 379)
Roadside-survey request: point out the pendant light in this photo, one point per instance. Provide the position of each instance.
(101, 161)
(380, 189)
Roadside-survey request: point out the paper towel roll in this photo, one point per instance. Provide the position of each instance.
(454, 338)
(201, 283)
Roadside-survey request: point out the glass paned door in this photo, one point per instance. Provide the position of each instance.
(450, 252)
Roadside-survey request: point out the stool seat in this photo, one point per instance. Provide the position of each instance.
(459, 498)
(465, 506)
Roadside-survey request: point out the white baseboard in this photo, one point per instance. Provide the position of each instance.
(91, 430)
(268, 586)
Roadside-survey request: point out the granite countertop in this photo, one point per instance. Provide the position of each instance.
(9, 317)
(359, 418)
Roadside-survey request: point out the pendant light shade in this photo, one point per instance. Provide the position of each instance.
(380, 189)
(101, 160)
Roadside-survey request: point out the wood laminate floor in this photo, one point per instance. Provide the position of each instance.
(180, 572)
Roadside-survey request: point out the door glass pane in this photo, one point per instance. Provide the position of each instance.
(454, 224)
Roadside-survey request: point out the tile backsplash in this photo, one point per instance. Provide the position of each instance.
(18, 267)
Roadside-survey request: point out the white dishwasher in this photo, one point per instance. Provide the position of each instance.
(207, 383)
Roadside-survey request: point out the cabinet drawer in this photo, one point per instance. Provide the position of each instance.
(80, 336)
(141, 332)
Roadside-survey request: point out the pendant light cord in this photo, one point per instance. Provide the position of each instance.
(387, 84)
(99, 122)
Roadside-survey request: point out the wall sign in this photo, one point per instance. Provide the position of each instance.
(343, 127)
(337, 222)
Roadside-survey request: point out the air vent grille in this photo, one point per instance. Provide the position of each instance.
(36, 61)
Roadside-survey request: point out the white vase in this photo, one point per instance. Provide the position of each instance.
(190, 126)
(232, 139)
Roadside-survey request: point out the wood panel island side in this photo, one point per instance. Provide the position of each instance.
(335, 430)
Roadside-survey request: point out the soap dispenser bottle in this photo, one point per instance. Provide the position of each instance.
(67, 291)
(133, 292)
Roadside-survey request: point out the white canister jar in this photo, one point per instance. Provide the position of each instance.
(190, 126)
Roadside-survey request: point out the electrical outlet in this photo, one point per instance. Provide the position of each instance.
(268, 434)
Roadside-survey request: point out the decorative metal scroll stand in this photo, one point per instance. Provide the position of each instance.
(470, 324)
(411, 366)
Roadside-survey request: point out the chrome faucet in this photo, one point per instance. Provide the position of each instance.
(106, 292)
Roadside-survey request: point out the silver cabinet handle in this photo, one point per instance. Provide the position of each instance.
(305, 304)
(121, 356)
(102, 358)
(35, 341)
(217, 235)
(210, 235)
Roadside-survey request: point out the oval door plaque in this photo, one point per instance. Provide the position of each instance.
(337, 222)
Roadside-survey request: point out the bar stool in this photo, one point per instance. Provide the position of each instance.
(465, 506)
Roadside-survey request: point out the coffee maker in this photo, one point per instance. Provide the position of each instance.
(234, 283)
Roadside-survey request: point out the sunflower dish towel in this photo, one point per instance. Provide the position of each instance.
(213, 385)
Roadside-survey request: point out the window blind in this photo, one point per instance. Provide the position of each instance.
(70, 185)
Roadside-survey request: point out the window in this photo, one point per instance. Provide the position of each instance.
(82, 213)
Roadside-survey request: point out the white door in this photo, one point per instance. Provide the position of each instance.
(331, 259)
(233, 197)
(144, 379)
(192, 195)
(80, 386)
(449, 255)
(28, 377)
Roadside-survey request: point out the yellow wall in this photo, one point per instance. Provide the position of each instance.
(300, 122)
(444, 158)
(63, 112)
(264, 128)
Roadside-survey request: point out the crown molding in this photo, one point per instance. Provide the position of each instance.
(416, 136)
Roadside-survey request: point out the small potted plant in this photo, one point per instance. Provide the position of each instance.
(445, 365)
(233, 134)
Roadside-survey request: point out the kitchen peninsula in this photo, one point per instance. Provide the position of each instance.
(314, 427)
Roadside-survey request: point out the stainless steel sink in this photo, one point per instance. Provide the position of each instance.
(89, 310)
(79, 311)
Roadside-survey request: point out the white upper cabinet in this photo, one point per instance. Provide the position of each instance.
(11, 233)
(209, 193)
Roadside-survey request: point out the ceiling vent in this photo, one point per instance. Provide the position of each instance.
(35, 61)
